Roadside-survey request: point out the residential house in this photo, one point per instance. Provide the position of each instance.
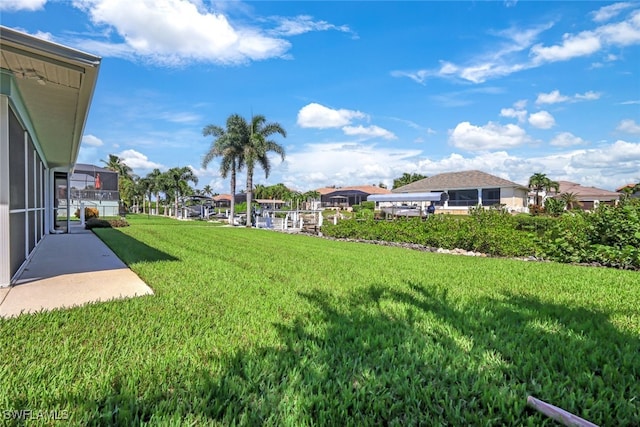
(346, 197)
(222, 200)
(93, 187)
(45, 94)
(633, 189)
(471, 188)
(589, 197)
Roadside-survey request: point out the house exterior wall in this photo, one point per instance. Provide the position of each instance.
(514, 199)
(22, 200)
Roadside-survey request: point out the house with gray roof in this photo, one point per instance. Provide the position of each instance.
(471, 188)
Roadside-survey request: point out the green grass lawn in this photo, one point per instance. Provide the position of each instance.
(257, 327)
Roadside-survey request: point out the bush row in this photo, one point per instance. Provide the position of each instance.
(103, 223)
(608, 236)
(491, 232)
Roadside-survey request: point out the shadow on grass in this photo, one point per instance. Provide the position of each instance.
(399, 356)
(130, 250)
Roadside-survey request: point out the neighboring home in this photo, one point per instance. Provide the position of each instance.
(45, 93)
(270, 204)
(346, 197)
(222, 200)
(632, 189)
(589, 197)
(93, 187)
(471, 188)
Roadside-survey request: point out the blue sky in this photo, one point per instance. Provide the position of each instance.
(366, 90)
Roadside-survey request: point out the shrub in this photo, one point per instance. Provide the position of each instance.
(554, 207)
(609, 236)
(568, 239)
(103, 223)
(88, 213)
(115, 223)
(488, 231)
(97, 223)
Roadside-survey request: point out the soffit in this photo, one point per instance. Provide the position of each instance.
(55, 84)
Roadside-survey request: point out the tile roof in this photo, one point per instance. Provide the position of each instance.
(458, 181)
(222, 197)
(585, 193)
(369, 189)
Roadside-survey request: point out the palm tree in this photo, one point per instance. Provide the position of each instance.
(570, 200)
(154, 186)
(207, 190)
(407, 178)
(256, 147)
(540, 182)
(125, 177)
(143, 187)
(227, 145)
(116, 164)
(178, 179)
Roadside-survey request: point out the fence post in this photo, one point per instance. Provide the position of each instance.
(82, 213)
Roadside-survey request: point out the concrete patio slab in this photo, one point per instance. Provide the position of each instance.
(70, 270)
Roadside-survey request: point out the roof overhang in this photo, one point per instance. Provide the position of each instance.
(55, 84)
(406, 197)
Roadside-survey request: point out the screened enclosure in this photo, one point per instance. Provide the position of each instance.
(94, 187)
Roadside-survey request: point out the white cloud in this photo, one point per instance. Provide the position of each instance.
(175, 32)
(624, 155)
(629, 126)
(542, 120)
(508, 56)
(554, 97)
(303, 24)
(345, 163)
(15, 5)
(92, 141)
(136, 160)
(521, 115)
(181, 117)
(417, 76)
(318, 116)
(584, 43)
(491, 136)
(587, 96)
(607, 12)
(566, 139)
(623, 33)
(368, 132)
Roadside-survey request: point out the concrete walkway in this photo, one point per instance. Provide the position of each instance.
(69, 270)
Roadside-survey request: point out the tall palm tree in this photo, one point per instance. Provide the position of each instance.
(539, 182)
(256, 147)
(116, 164)
(227, 144)
(154, 186)
(144, 185)
(125, 177)
(178, 179)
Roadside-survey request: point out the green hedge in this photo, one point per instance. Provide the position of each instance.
(487, 231)
(609, 236)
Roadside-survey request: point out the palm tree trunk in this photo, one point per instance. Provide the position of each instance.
(232, 210)
(249, 194)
